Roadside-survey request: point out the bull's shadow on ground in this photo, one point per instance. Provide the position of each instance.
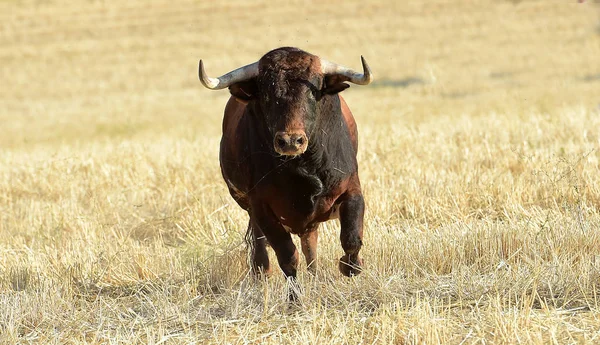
(590, 78)
(397, 83)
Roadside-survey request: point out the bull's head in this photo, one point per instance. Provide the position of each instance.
(289, 85)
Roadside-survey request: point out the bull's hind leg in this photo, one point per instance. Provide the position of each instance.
(309, 248)
(352, 210)
(258, 250)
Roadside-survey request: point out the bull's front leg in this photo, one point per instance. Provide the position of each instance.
(281, 242)
(352, 210)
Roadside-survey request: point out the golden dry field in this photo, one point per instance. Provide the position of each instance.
(479, 159)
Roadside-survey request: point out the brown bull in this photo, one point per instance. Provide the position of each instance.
(288, 155)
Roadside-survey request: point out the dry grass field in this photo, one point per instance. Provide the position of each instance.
(479, 159)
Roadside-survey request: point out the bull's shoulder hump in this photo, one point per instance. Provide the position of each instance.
(234, 110)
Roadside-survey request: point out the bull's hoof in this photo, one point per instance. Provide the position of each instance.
(350, 267)
(294, 290)
(261, 273)
(260, 263)
(312, 268)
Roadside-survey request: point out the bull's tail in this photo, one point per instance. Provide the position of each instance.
(250, 243)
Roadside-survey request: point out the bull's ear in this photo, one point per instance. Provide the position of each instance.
(333, 85)
(335, 88)
(246, 90)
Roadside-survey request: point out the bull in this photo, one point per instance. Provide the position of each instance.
(288, 155)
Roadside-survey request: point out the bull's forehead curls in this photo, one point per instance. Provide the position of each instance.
(287, 74)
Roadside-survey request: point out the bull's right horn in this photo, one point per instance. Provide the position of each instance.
(332, 68)
(243, 73)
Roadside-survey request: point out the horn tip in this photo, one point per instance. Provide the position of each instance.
(208, 82)
(200, 69)
(367, 70)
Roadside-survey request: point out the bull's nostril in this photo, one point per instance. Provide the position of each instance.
(300, 141)
(281, 142)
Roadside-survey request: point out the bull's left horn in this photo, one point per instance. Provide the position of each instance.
(243, 73)
(331, 68)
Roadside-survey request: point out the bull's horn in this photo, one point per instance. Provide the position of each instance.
(331, 68)
(235, 76)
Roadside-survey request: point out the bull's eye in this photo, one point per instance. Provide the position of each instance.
(316, 94)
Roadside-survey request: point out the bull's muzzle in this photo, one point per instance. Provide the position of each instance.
(290, 143)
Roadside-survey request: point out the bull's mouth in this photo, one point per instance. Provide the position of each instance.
(290, 152)
(290, 143)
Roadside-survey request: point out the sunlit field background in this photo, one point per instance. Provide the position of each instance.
(479, 159)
